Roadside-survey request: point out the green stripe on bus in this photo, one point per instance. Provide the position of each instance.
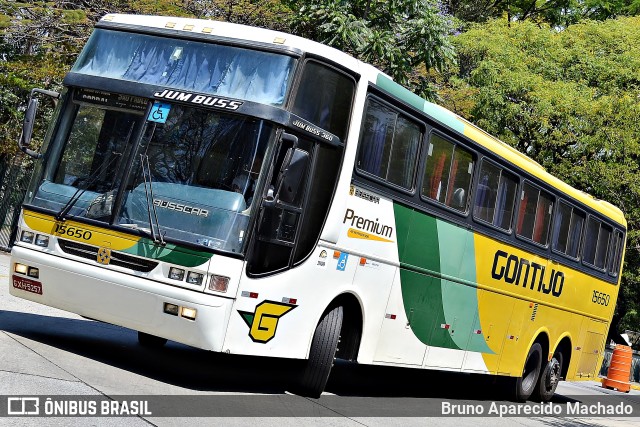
(170, 253)
(421, 293)
(460, 301)
(435, 111)
(403, 94)
(435, 307)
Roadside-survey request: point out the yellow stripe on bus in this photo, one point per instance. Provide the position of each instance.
(79, 232)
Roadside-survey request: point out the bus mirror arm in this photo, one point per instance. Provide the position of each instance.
(29, 120)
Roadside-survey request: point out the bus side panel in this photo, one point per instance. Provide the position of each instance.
(436, 296)
(547, 298)
(372, 284)
(589, 352)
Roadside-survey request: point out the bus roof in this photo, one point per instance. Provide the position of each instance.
(375, 76)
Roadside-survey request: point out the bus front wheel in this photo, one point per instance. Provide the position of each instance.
(321, 356)
(151, 341)
(526, 383)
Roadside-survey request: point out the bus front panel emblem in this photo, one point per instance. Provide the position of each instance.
(104, 256)
(263, 322)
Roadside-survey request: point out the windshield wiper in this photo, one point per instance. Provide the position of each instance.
(146, 169)
(62, 214)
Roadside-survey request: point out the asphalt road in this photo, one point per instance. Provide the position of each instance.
(45, 351)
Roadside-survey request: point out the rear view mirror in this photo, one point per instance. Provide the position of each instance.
(27, 128)
(29, 120)
(291, 186)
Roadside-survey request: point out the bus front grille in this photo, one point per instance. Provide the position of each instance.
(117, 258)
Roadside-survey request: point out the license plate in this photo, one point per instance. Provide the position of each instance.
(27, 285)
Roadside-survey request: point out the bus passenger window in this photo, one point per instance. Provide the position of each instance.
(567, 230)
(447, 174)
(603, 246)
(389, 145)
(495, 196)
(534, 216)
(596, 243)
(590, 241)
(613, 261)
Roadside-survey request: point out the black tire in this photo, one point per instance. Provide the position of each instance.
(321, 356)
(549, 379)
(151, 341)
(526, 383)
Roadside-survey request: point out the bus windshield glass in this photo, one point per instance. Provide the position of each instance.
(202, 168)
(182, 64)
(192, 177)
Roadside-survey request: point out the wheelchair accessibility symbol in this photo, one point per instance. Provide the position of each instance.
(342, 261)
(159, 112)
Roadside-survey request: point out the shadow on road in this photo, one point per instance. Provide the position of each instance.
(200, 370)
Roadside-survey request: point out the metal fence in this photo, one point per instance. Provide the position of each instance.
(15, 172)
(634, 375)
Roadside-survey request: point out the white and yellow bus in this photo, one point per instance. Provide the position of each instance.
(250, 192)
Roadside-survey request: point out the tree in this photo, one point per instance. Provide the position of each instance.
(404, 38)
(39, 42)
(272, 14)
(569, 99)
(554, 12)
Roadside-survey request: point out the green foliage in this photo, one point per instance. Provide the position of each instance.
(73, 17)
(404, 38)
(569, 99)
(272, 14)
(560, 13)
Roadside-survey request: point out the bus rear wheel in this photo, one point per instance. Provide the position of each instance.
(321, 356)
(151, 341)
(526, 383)
(549, 379)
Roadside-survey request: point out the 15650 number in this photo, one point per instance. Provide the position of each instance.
(600, 298)
(76, 232)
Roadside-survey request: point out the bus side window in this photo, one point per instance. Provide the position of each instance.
(568, 225)
(495, 196)
(602, 250)
(534, 215)
(389, 145)
(615, 253)
(596, 243)
(447, 174)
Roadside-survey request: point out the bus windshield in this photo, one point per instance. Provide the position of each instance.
(182, 64)
(197, 172)
(203, 167)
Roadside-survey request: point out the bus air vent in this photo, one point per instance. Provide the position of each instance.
(117, 258)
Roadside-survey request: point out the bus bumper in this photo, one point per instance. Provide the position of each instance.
(121, 299)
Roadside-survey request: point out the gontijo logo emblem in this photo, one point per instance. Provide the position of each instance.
(263, 322)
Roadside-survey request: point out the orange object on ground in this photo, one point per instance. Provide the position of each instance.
(619, 369)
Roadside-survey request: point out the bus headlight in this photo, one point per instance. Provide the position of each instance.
(188, 313)
(26, 236)
(176, 273)
(42, 240)
(194, 278)
(33, 272)
(20, 268)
